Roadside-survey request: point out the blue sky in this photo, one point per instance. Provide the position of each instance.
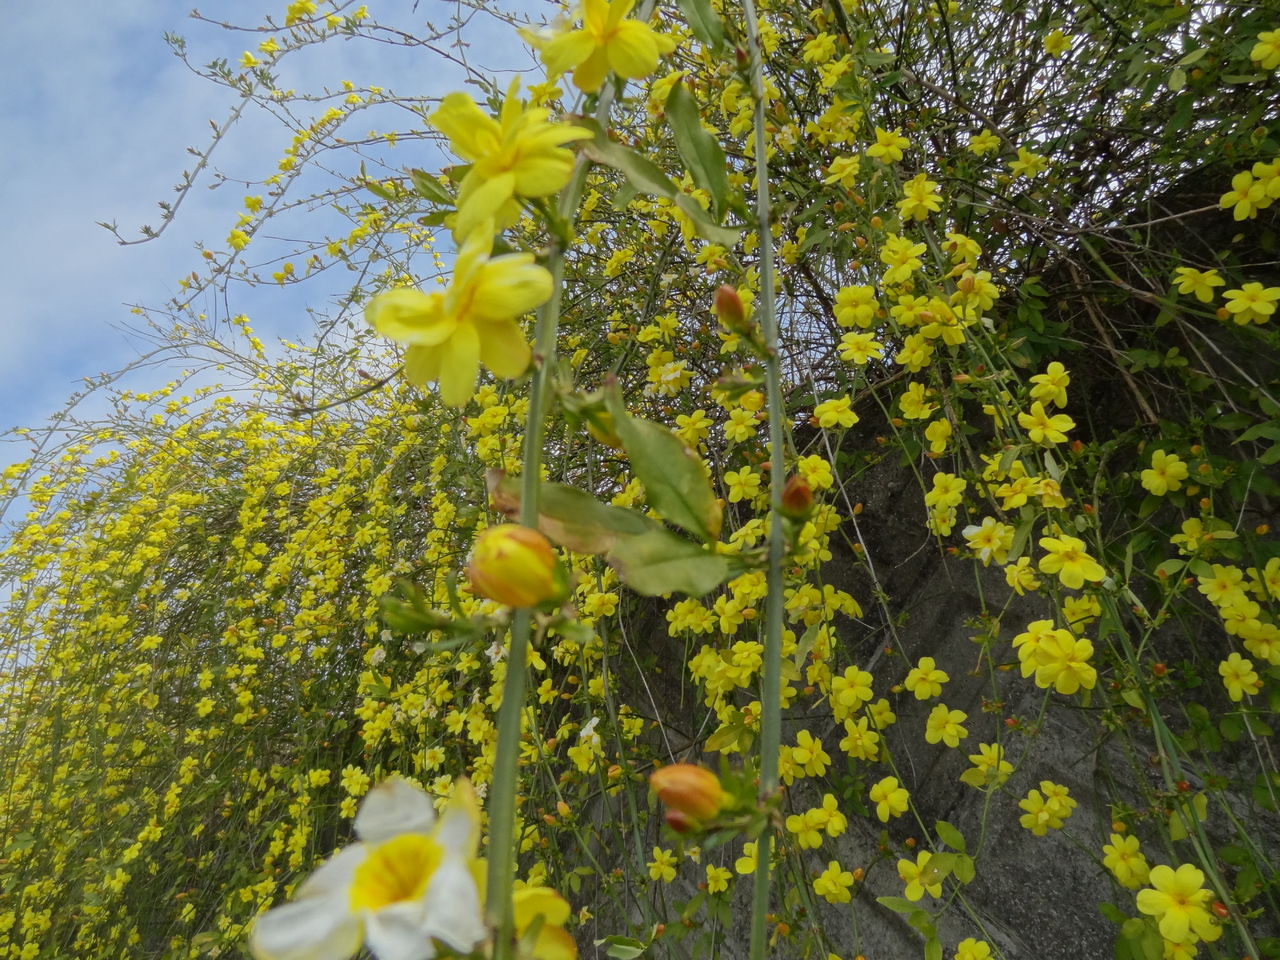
(95, 126)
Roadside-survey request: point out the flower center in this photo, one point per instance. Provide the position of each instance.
(397, 870)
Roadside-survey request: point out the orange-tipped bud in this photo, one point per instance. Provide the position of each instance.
(517, 566)
(691, 791)
(730, 311)
(797, 498)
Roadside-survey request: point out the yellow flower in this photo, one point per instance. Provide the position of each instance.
(920, 198)
(544, 905)
(1123, 857)
(1266, 52)
(1178, 901)
(1051, 386)
(1057, 43)
(450, 334)
(945, 725)
(718, 879)
(1198, 282)
(938, 434)
(515, 565)
(925, 680)
(1043, 428)
(408, 880)
(1246, 196)
(1166, 473)
(983, 143)
(520, 154)
(833, 884)
(1238, 677)
(607, 41)
(919, 877)
(890, 799)
(1068, 559)
(1253, 302)
(990, 768)
(1028, 164)
(888, 146)
(663, 865)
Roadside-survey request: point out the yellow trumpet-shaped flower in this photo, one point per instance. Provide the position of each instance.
(520, 154)
(607, 41)
(473, 321)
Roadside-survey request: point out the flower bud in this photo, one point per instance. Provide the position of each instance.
(797, 498)
(515, 565)
(691, 791)
(730, 311)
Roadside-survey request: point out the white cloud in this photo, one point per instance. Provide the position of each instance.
(96, 123)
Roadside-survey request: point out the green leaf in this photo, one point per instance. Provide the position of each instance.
(1177, 79)
(429, 188)
(949, 835)
(572, 518)
(623, 948)
(660, 562)
(898, 904)
(933, 949)
(964, 871)
(674, 482)
(703, 21)
(701, 154)
(647, 177)
(725, 737)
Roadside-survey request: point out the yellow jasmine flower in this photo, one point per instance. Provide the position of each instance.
(858, 347)
(938, 434)
(663, 865)
(890, 799)
(1266, 52)
(1246, 196)
(920, 198)
(1252, 302)
(1043, 428)
(919, 878)
(1238, 677)
(1051, 386)
(1028, 164)
(945, 725)
(833, 884)
(1179, 902)
(990, 768)
(606, 41)
(836, 413)
(449, 335)
(1198, 282)
(717, 879)
(990, 541)
(1123, 857)
(1166, 473)
(925, 679)
(1057, 43)
(1068, 559)
(983, 143)
(407, 883)
(888, 146)
(521, 153)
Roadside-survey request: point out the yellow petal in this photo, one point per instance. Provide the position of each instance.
(471, 131)
(532, 902)
(567, 51)
(480, 200)
(459, 366)
(503, 349)
(617, 10)
(410, 316)
(422, 365)
(592, 71)
(632, 50)
(509, 286)
(540, 176)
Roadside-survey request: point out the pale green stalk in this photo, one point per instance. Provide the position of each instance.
(771, 694)
(506, 777)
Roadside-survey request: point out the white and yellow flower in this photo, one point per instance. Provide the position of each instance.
(406, 884)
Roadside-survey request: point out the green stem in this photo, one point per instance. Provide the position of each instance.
(771, 694)
(506, 777)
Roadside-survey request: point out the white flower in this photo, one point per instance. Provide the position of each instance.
(405, 884)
